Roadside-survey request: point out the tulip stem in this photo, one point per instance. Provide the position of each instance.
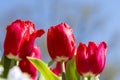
(90, 78)
(7, 64)
(87, 78)
(63, 70)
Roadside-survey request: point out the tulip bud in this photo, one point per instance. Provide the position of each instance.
(20, 35)
(60, 42)
(90, 61)
(27, 67)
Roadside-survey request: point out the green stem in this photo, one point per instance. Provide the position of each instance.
(7, 64)
(63, 71)
(90, 78)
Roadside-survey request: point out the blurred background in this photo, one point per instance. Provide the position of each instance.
(91, 20)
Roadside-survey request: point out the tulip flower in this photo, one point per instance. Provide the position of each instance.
(57, 70)
(27, 47)
(90, 61)
(27, 67)
(20, 35)
(60, 42)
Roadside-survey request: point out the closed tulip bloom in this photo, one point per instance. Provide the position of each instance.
(19, 34)
(60, 42)
(27, 67)
(90, 61)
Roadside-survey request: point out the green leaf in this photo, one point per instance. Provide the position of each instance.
(50, 63)
(71, 72)
(43, 69)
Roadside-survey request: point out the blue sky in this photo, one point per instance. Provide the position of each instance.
(40, 13)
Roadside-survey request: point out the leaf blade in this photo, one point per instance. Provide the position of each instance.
(71, 72)
(43, 69)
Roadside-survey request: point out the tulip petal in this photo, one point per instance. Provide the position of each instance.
(90, 61)
(82, 62)
(100, 58)
(60, 42)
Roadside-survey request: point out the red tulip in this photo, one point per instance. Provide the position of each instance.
(20, 34)
(27, 47)
(90, 61)
(27, 67)
(60, 42)
(57, 70)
